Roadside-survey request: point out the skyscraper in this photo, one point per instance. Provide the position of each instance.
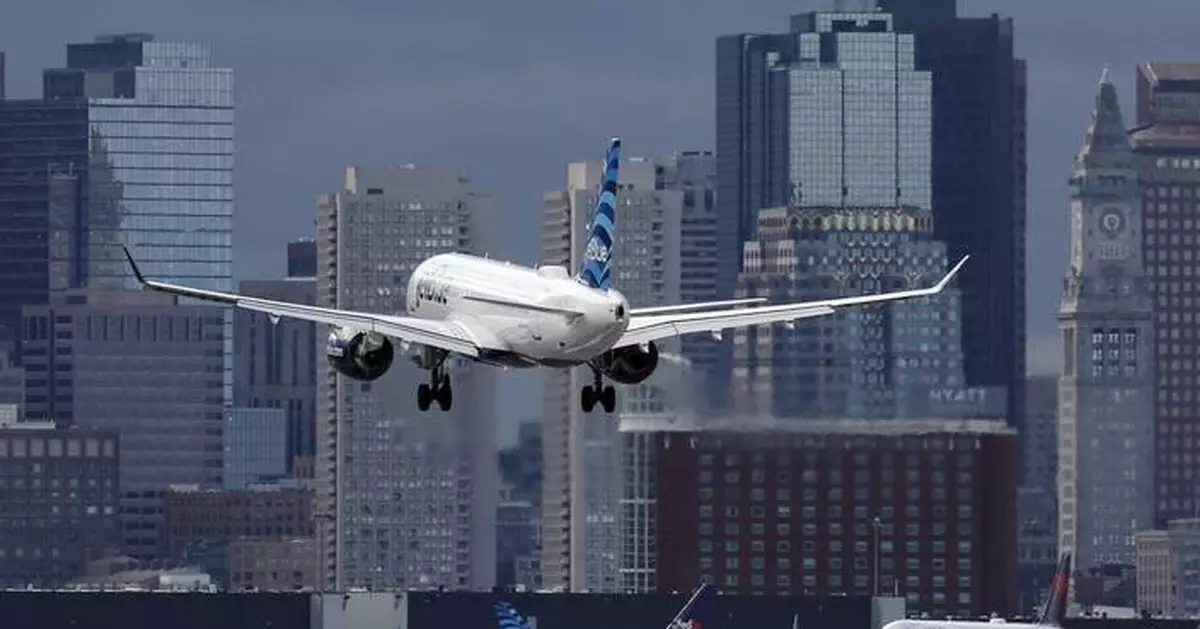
(405, 500)
(160, 162)
(1106, 396)
(978, 180)
(582, 471)
(977, 153)
(1167, 143)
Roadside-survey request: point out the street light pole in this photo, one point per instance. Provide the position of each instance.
(875, 584)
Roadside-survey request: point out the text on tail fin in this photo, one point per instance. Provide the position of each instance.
(507, 616)
(596, 270)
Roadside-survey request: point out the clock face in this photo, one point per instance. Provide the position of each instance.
(1112, 220)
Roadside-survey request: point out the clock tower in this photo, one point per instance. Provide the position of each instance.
(1106, 403)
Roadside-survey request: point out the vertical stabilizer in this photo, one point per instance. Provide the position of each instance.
(507, 616)
(596, 270)
(1056, 604)
(683, 618)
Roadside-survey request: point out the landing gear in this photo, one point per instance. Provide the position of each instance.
(593, 393)
(438, 389)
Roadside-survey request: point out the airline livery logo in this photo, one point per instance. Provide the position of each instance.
(507, 616)
(595, 271)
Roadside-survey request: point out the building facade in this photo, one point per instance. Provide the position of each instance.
(881, 362)
(1167, 143)
(61, 492)
(978, 178)
(137, 364)
(160, 167)
(275, 364)
(1105, 397)
(196, 516)
(404, 500)
(925, 509)
(1168, 570)
(256, 446)
(581, 473)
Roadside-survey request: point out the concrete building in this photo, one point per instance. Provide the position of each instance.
(1168, 570)
(302, 258)
(137, 364)
(12, 383)
(160, 138)
(1039, 449)
(1105, 396)
(1166, 141)
(275, 364)
(924, 508)
(517, 524)
(581, 471)
(406, 500)
(61, 489)
(695, 174)
(273, 565)
(873, 363)
(256, 447)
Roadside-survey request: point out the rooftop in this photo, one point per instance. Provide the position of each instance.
(852, 427)
(1171, 70)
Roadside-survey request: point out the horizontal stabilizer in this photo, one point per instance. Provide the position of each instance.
(703, 305)
(522, 305)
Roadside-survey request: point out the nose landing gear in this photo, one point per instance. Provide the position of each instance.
(598, 393)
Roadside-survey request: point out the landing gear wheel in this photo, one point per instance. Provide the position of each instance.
(608, 399)
(587, 399)
(424, 397)
(445, 395)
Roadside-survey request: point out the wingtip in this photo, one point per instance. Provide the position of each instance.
(133, 265)
(954, 271)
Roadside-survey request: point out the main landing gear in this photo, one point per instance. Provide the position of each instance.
(438, 389)
(591, 394)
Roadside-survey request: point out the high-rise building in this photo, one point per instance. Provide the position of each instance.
(137, 364)
(1167, 143)
(581, 473)
(922, 508)
(694, 173)
(1106, 397)
(160, 162)
(275, 363)
(876, 363)
(3, 76)
(44, 157)
(404, 500)
(63, 488)
(302, 258)
(978, 180)
(256, 446)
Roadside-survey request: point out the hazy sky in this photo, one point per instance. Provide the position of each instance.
(514, 90)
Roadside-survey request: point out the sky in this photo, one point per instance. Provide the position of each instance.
(514, 91)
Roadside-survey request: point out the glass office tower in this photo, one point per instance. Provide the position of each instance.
(160, 172)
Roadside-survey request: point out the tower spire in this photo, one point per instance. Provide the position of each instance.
(1106, 132)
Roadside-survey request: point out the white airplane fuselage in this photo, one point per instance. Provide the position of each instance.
(499, 304)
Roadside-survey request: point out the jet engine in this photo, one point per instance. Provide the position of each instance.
(359, 355)
(628, 365)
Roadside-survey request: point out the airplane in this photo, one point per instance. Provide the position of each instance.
(1053, 613)
(507, 616)
(513, 316)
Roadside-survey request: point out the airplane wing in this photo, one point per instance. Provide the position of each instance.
(700, 305)
(445, 335)
(643, 329)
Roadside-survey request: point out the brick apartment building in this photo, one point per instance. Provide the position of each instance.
(924, 509)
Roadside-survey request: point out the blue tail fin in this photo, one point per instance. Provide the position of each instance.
(507, 616)
(596, 270)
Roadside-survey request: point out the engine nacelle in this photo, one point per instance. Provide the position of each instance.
(359, 355)
(628, 365)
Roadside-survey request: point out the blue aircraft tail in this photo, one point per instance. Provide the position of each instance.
(596, 270)
(507, 616)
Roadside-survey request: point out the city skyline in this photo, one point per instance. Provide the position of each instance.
(677, 66)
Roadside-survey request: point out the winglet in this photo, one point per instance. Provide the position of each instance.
(136, 271)
(950, 276)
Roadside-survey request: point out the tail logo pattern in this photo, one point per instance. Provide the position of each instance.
(596, 271)
(507, 616)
